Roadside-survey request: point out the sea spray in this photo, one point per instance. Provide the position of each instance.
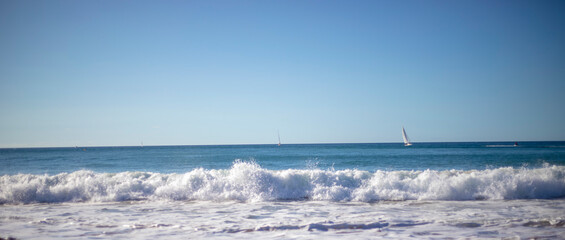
(248, 182)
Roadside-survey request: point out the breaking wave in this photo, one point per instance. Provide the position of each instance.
(247, 181)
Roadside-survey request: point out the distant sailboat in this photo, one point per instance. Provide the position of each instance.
(405, 138)
(279, 135)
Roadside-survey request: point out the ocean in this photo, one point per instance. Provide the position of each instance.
(295, 191)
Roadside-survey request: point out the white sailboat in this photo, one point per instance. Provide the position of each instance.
(279, 135)
(405, 138)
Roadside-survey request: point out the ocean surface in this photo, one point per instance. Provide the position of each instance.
(303, 191)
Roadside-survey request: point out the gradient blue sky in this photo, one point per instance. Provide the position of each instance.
(93, 73)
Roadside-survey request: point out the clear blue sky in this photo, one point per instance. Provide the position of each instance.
(92, 73)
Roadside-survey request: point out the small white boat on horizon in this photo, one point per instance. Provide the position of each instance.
(405, 138)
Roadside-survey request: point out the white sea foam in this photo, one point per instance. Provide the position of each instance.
(248, 182)
(516, 219)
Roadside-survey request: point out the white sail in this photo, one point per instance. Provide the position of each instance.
(405, 138)
(279, 135)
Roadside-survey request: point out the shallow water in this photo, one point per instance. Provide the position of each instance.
(287, 219)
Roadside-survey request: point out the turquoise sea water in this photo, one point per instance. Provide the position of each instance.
(369, 157)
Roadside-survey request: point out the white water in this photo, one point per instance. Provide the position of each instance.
(247, 182)
(295, 219)
(249, 202)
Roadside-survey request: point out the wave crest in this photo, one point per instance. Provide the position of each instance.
(247, 181)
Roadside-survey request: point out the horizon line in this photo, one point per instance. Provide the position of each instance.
(264, 144)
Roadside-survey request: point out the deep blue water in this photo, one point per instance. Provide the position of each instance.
(370, 157)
